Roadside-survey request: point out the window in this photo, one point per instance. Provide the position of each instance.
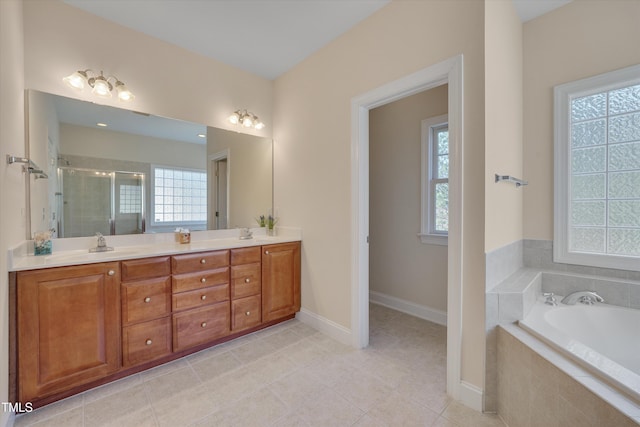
(597, 171)
(435, 181)
(130, 197)
(179, 196)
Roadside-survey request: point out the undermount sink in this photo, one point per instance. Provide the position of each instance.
(85, 255)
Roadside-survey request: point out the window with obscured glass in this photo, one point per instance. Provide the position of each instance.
(179, 196)
(597, 170)
(435, 180)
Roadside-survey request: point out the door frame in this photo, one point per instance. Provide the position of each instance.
(448, 72)
(212, 194)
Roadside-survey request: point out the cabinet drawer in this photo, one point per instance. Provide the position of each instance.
(199, 262)
(187, 282)
(146, 299)
(245, 313)
(146, 341)
(200, 297)
(245, 280)
(200, 325)
(245, 255)
(145, 268)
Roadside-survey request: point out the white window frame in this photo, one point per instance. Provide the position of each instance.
(563, 94)
(429, 147)
(172, 224)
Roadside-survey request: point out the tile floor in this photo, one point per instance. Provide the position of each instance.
(287, 375)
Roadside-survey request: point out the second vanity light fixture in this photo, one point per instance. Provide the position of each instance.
(101, 86)
(246, 119)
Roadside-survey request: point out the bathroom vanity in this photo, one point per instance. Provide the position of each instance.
(74, 327)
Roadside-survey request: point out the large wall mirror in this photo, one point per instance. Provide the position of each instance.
(116, 171)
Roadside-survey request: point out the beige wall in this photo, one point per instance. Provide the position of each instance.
(581, 39)
(12, 216)
(312, 134)
(399, 264)
(503, 124)
(167, 80)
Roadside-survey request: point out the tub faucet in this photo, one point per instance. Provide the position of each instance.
(550, 298)
(583, 297)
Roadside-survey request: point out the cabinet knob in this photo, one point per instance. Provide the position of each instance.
(111, 273)
(266, 252)
(203, 324)
(147, 299)
(247, 280)
(248, 313)
(204, 279)
(149, 342)
(203, 261)
(203, 297)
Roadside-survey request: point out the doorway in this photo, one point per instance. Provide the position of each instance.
(451, 72)
(219, 195)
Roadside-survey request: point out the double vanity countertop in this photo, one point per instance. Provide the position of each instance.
(75, 251)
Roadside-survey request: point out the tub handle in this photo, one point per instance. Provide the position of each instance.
(550, 298)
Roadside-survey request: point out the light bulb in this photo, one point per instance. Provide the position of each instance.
(124, 94)
(101, 87)
(234, 118)
(259, 125)
(76, 80)
(247, 122)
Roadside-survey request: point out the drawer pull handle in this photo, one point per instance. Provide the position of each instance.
(204, 279)
(266, 252)
(147, 299)
(248, 313)
(203, 297)
(149, 342)
(111, 273)
(203, 261)
(247, 280)
(203, 324)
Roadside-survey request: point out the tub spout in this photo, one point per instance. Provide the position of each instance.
(583, 297)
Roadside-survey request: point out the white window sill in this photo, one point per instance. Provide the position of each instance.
(434, 239)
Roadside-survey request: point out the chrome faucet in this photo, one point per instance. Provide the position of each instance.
(102, 244)
(246, 233)
(583, 297)
(550, 298)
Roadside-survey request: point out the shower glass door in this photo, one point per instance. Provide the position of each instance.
(106, 202)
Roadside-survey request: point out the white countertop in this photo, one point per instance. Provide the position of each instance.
(75, 251)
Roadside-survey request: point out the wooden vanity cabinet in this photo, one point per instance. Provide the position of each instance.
(280, 280)
(146, 310)
(246, 288)
(200, 298)
(68, 327)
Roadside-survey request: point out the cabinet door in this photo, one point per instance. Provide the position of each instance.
(68, 327)
(280, 280)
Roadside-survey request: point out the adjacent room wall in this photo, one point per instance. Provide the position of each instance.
(312, 134)
(12, 214)
(579, 40)
(401, 266)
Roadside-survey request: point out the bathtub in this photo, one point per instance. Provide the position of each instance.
(603, 338)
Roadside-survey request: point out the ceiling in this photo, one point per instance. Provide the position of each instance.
(264, 37)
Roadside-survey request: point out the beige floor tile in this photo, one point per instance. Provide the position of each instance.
(163, 369)
(367, 421)
(143, 417)
(254, 350)
(214, 366)
(291, 419)
(302, 329)
(166, 386)
(272, 367)
(186, 407)
(262, 408)
(111, 408)
(304, 352)
(50, 411)
(464, 416)
(70, 418)
(362, 390)
(111, 388)
(397, 411)
(284, 338)
(229, 388)
(329, 409)
(298, 387)
(330, 370)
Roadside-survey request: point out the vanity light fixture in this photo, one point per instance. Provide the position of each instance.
(101, 86)
(246, 119)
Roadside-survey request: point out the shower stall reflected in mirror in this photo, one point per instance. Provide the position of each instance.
(97, 201)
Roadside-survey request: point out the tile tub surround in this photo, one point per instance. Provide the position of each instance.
(539, 387)
(286, 375)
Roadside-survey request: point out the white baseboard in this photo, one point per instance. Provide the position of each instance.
(417, 310)
(326, 326)
(471, 396)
